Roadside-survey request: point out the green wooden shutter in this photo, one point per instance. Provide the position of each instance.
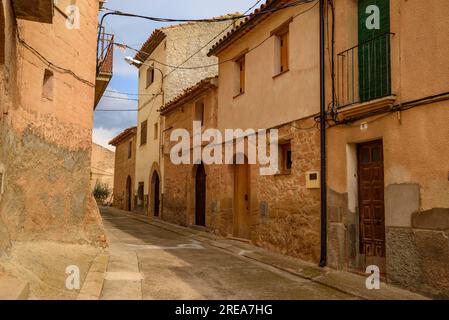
(374, 52)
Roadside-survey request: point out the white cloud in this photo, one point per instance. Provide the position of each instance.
(102, 136)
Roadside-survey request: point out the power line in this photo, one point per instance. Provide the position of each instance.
(210, 41)
(120, 98)
(132, 94)
(209, 20)
(223, 61)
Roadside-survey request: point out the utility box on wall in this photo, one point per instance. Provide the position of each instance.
(312, 180)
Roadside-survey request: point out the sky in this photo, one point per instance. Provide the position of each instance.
(134, 32)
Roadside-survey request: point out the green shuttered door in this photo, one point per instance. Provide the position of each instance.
(374, 51)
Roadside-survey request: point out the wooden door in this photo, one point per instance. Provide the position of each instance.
(156, 199)
(200, 196)
(241, 201)
(371, 203)
(128, 197)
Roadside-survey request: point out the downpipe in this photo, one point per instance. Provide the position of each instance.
(323, 156)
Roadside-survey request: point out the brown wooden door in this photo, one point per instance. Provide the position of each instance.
(128, 194)
(156, 195)
(371, 203)
(241, 201)
(200, 196)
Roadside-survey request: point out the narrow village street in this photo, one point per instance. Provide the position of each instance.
(150, 262)
(156, 260)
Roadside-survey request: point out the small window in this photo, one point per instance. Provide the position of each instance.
(283, 51)
(143, 133)
(156, 130)
(240, 76)
(286, 161)
(199, 111)
(47, 85)
(1, 182)
(150, 76)
(130, 148)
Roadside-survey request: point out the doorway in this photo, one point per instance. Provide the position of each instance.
(155, 183)
(371, 204)
(200, 196)
(128, 197)
(241, 227)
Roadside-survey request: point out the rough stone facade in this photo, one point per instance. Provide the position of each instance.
(125, 166)
(45, 130)
(283, 212)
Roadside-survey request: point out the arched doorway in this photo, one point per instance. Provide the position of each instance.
(129, 193)
(200, 196)
(155, 186)
(241, 225)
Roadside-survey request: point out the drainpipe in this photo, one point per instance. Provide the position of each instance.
(323, 259)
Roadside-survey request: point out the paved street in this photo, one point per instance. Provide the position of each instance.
(150, 262)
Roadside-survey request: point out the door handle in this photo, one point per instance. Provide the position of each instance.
(246, 197)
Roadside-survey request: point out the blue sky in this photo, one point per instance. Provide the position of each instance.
(134, 32)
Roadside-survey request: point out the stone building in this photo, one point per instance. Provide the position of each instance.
(102, 167)
(186, 196)
(47, 90)
(388, 146)
(259, 59)
(124, 172)
(160, 82)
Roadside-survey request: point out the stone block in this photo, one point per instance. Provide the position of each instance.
(401, 201)
(434, 219)
(336, 245)
(402, 258)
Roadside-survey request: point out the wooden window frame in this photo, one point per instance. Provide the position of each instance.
(144, 133)
(199, 111)
(282, 34)
(130, 149)
(240, 61)
(150, 79)
(156, 131)
(284, 149)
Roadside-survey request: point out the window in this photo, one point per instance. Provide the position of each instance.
(283, 51)
(1, 182)
(240, 76)
(150, 76)
(143, 133)
(130, 148)
(199, 111)
(47, 85)
(286, 161)
(155, 130)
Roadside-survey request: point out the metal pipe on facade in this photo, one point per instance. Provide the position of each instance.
(323, 254)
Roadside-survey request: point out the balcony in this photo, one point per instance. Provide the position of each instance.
(364, 77)
(34, 10)
(105, 60)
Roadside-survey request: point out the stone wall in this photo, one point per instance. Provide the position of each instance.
(284, 214)
(124, 168)
(45, 141)
(102, 166)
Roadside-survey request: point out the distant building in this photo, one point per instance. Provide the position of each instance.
(102, 167)
(187, 197)
(124, 171)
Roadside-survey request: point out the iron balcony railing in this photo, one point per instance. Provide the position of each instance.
(364, 71)
(105, 55)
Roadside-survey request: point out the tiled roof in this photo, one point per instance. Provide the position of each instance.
(122, 136)
(189, 94)
(245, 26)
(150, 45)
